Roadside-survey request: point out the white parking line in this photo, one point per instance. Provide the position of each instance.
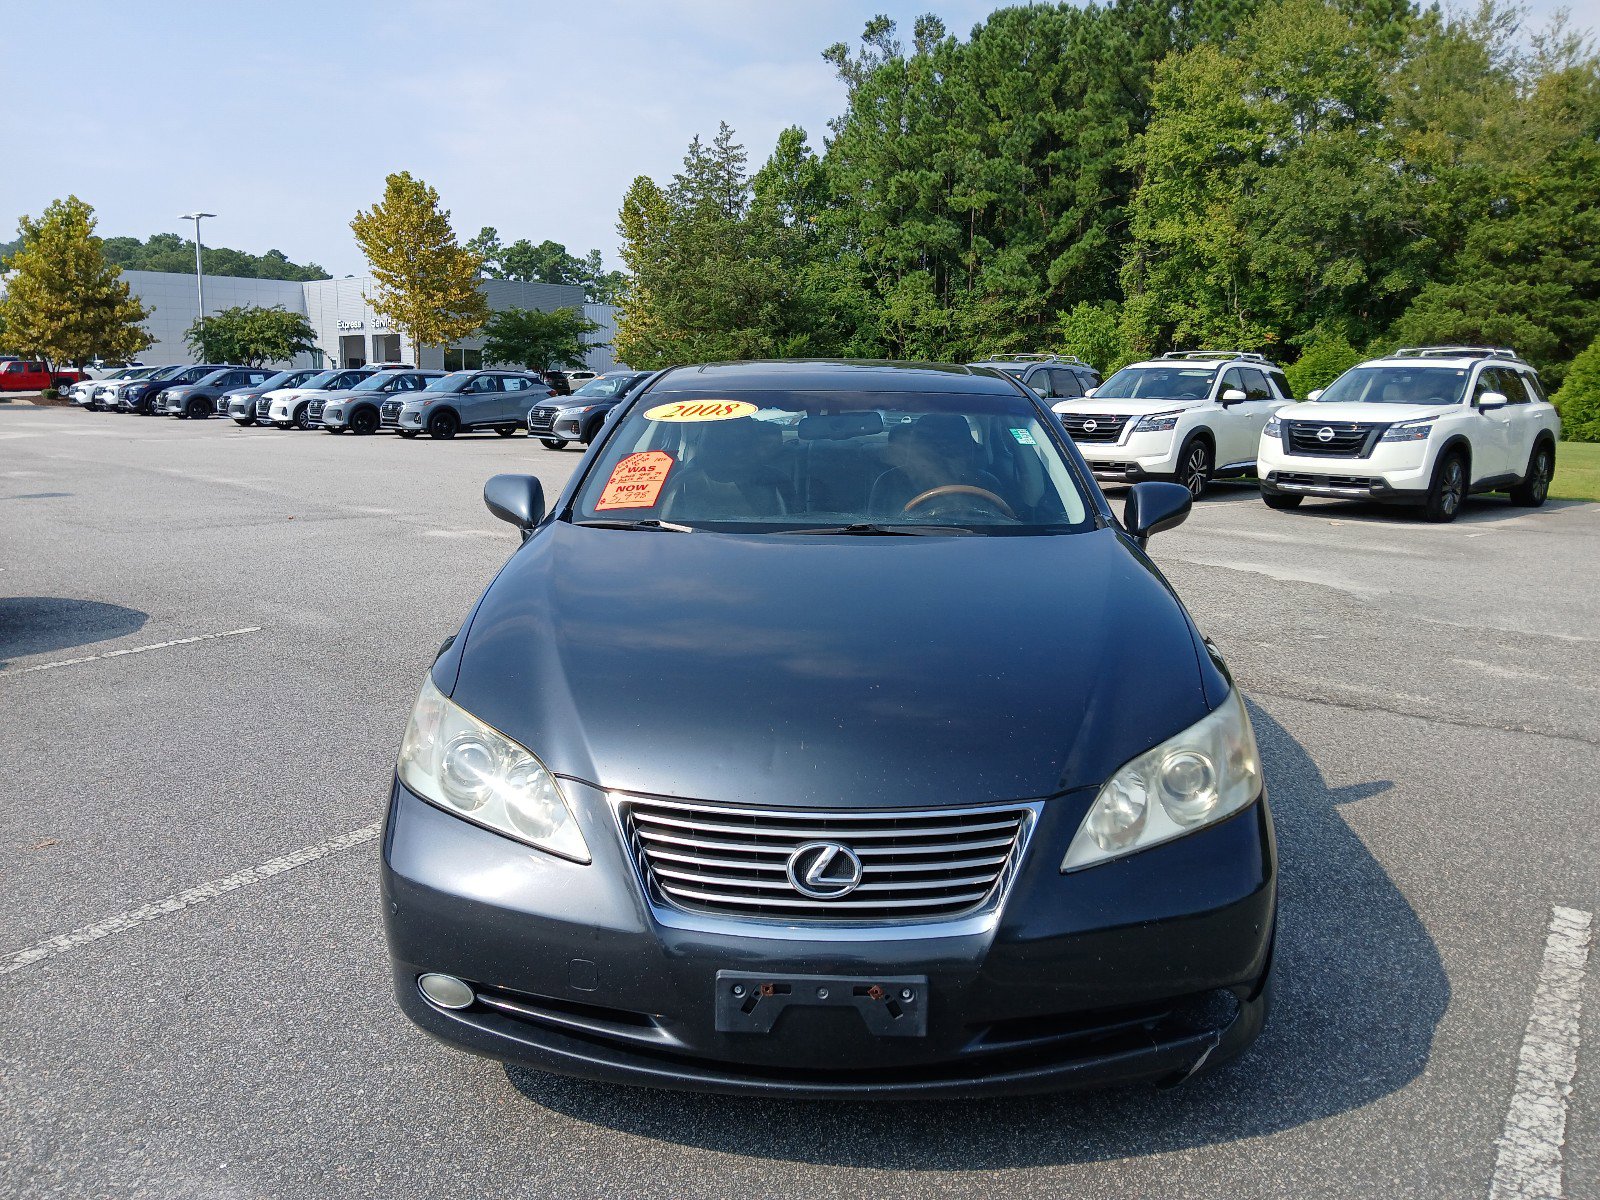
(1528, 1166)
(165, 907)
(72, 662)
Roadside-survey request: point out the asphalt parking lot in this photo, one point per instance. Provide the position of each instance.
(199, 815)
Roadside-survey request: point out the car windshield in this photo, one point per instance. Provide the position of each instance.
(452, 382)
(834, 461)
(1397, 385)
(1158, 383)
(374, 383)
(603, 388)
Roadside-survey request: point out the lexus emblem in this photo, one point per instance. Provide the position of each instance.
(824, 870)
(1325, 434)
(1091, 425)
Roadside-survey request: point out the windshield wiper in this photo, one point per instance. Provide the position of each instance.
(641, 523)
(872, 529)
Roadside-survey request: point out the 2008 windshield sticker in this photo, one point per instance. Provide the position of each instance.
(636, 481)
(700, 410)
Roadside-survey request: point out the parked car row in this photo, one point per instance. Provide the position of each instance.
(1425, 426)
(364, 400)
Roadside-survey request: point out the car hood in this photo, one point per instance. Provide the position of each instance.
(1123, 407)
(1365, 414)
(816, 671)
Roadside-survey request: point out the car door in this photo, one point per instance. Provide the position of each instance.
(1491, 430)
(1229, 424)
(481, 400)
(1251, 416)
(518, 391)
(1524, 420)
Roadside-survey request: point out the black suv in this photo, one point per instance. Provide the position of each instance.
(1053, 376)
(141, 397)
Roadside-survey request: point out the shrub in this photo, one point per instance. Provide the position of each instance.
(1579, 397)
(1327, 355)
(1094, 332)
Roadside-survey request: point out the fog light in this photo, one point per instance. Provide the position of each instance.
(446, 991)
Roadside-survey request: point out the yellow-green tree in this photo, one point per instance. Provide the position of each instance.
(427, 281)
(63, 301)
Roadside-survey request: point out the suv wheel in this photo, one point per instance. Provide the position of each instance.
(197, 409)
(553, 443)
(1448, 489)
(1534, 489)
(245, 421)
(408, 434)
(505, 430)
(1276, 500)
(444, 425)
(364, 420)
(302, 417)
(1194, 466)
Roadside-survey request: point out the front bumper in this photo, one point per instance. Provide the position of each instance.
(1133, 457)
(1395, 473)
(1107, 975)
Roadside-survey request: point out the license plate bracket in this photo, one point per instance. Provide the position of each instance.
(890, 1005)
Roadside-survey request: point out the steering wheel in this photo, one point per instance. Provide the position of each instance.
(959, 489)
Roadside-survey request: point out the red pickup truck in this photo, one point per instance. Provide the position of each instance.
(33, 375)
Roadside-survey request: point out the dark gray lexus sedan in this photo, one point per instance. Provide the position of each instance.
(830, 736)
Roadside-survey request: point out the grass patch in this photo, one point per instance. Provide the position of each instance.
(1577, 472)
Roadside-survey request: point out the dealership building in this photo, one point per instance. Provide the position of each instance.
(348, 332)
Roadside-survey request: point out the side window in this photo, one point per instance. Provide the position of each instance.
(1064, 384)
(515, 384)
(1489, 380)
(1282, 382)
(483, 383)
(1255, 385)
(1232, 381)
(1512, 386)
(1535, 388)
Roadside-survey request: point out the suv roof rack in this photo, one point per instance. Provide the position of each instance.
(1456, 352)
(1066, 358)
(1215, 355)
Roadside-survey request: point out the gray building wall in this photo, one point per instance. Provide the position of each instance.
(347, 328)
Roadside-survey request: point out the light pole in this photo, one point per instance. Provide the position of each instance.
(199, 281)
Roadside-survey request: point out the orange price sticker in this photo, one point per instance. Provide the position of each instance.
(636, 481)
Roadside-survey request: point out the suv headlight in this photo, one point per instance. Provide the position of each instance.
(1158, 422)
(1274, 427)
(453, 760)
(1409, 431)
(1206, 773)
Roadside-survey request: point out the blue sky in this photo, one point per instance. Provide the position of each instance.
(533, 117)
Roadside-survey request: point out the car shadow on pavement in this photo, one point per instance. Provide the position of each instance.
(1360, 990)
(44, 624)
(1475, 510)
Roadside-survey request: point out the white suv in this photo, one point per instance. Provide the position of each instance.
(1428, 426)
(1190, 416)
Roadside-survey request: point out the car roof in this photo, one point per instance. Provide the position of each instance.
(1452, 362)
(871, 375)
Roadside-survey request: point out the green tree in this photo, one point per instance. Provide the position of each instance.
(251, 335)
(1579, 397)
(487, 247)
(548, 262)
(169, 252)
(1327, 355)
(427, 284)
(536, 339)
(1095, 333)
(64, 301)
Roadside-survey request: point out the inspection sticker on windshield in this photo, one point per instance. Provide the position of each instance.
(636, 481)
(701, 410)
(1023, 436)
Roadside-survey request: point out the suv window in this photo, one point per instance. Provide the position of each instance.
(1064, 384)
(515, 383)
(1511, 384)
(1488, 381)
(483, 383)
(1232, 380)
(1535, 388)
(1255, 385)
(1282, 383)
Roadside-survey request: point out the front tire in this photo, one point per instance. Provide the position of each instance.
(553, 443)
(1534, 489)
(244, 422)
(408, 434)
(363, 421)
(505, 430)
(1274, 500)
(197, 409)
(444, 426)
(1448, 489)
(1194, 466)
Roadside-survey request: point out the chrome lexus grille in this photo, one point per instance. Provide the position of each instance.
(731, 861)
(1093, 427)
(1344, 439)
(542, 419)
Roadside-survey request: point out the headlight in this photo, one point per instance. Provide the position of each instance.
(1206, 773)
(1274, 427)
(452, 759)
(1158, 422)
(1410, 431)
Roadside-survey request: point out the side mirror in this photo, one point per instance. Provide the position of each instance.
(1231, 396)
(1315, 393)
(1090, 392)
(519, 499)
(1491, 400)
(1154, 507)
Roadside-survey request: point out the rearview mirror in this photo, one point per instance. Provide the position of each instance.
(1154, 507)
(1491, 400)
(1315, 393)
(1232, 396)
(518, 499)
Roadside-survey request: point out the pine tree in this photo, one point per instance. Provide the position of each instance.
(63, 301)
(427, 284)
